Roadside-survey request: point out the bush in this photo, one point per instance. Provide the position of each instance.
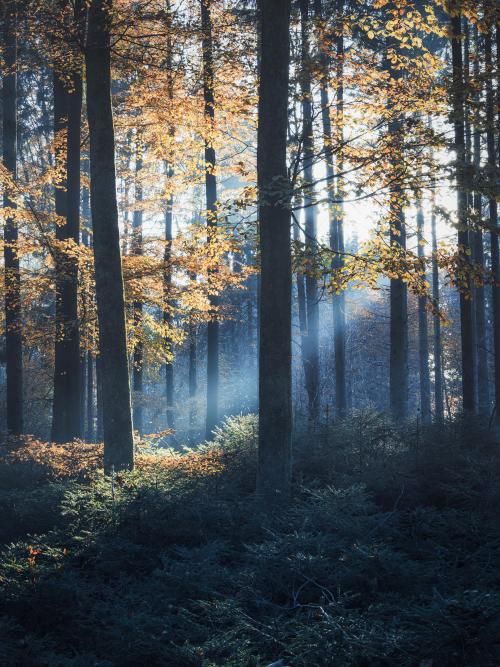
(391, 561)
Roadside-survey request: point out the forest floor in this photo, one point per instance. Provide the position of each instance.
(388, 553)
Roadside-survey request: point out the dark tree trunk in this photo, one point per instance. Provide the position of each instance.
(275, 353)
(67, 402)
(117, 418)
(335, 207)
(138, 306)
(169, 306)
(89, 429)
(193, 381)
(13, 334)
(99, 400)
(89, 432)
(423, 334)
(301, 291)
(211, 201)
(492, 174)
(438, 371)
(483, 390)
(398, 355)
(466, 320)
(339, 324)
(310, 342)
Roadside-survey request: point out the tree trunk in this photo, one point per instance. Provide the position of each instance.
(466, 321)
(168, 312)
(275, 352)
(339, 324)
(211, 202)
(398, 356)
(423, 334)
(483, 390)
(192, 380)
(67, 401)
(310, 342)
(335, 207)
(438, 371)
(13, 334)
(138, 306)
(301, 291)
(117, 418)
(492, 174)
(99, 400)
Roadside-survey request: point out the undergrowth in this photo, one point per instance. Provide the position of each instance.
(387, 554)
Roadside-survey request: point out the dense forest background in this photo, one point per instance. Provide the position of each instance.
(250, 361)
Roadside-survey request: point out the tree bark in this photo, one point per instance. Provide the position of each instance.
(466, 320)
(275, 353)
(438, 371)
(492, 174)
(67, 401)
(138, 306)
(211, 203)
(398, 355)
(117, 418)
(169, 305)
(310, 342)
(483, 390)
(335, 196)
(13, 322)
(423, 334)
(192, 372)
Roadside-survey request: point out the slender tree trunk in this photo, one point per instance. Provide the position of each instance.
(59, 402)
(438, 371)
(492, 173)
(335, 196)
(99, 400)
(466, 320)
(13, 323)
(168, 312)
(275, 352)
(483, 390)
(301, 291)
(339, 323)
(117, 418)
(89, 433)
(211, 201)
(67, 402)
(469, 182)
(423, 334)
(398, 356)
(138, 306)
(310, 342)
(192, 380)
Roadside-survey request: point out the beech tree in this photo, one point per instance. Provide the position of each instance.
(116, 405)
(13, 332)
(275, 382)
(211, 202)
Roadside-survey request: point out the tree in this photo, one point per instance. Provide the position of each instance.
(423, 334)
(67, 400)
(492, 175)
(138, 306)
(310, 342)
(398, 355)
(483, 390)
(437, 346)
(211, 201)
(13, 333)
(275, 408)
(114, 375)
(466, 322)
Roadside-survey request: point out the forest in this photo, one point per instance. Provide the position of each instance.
(250, 337)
